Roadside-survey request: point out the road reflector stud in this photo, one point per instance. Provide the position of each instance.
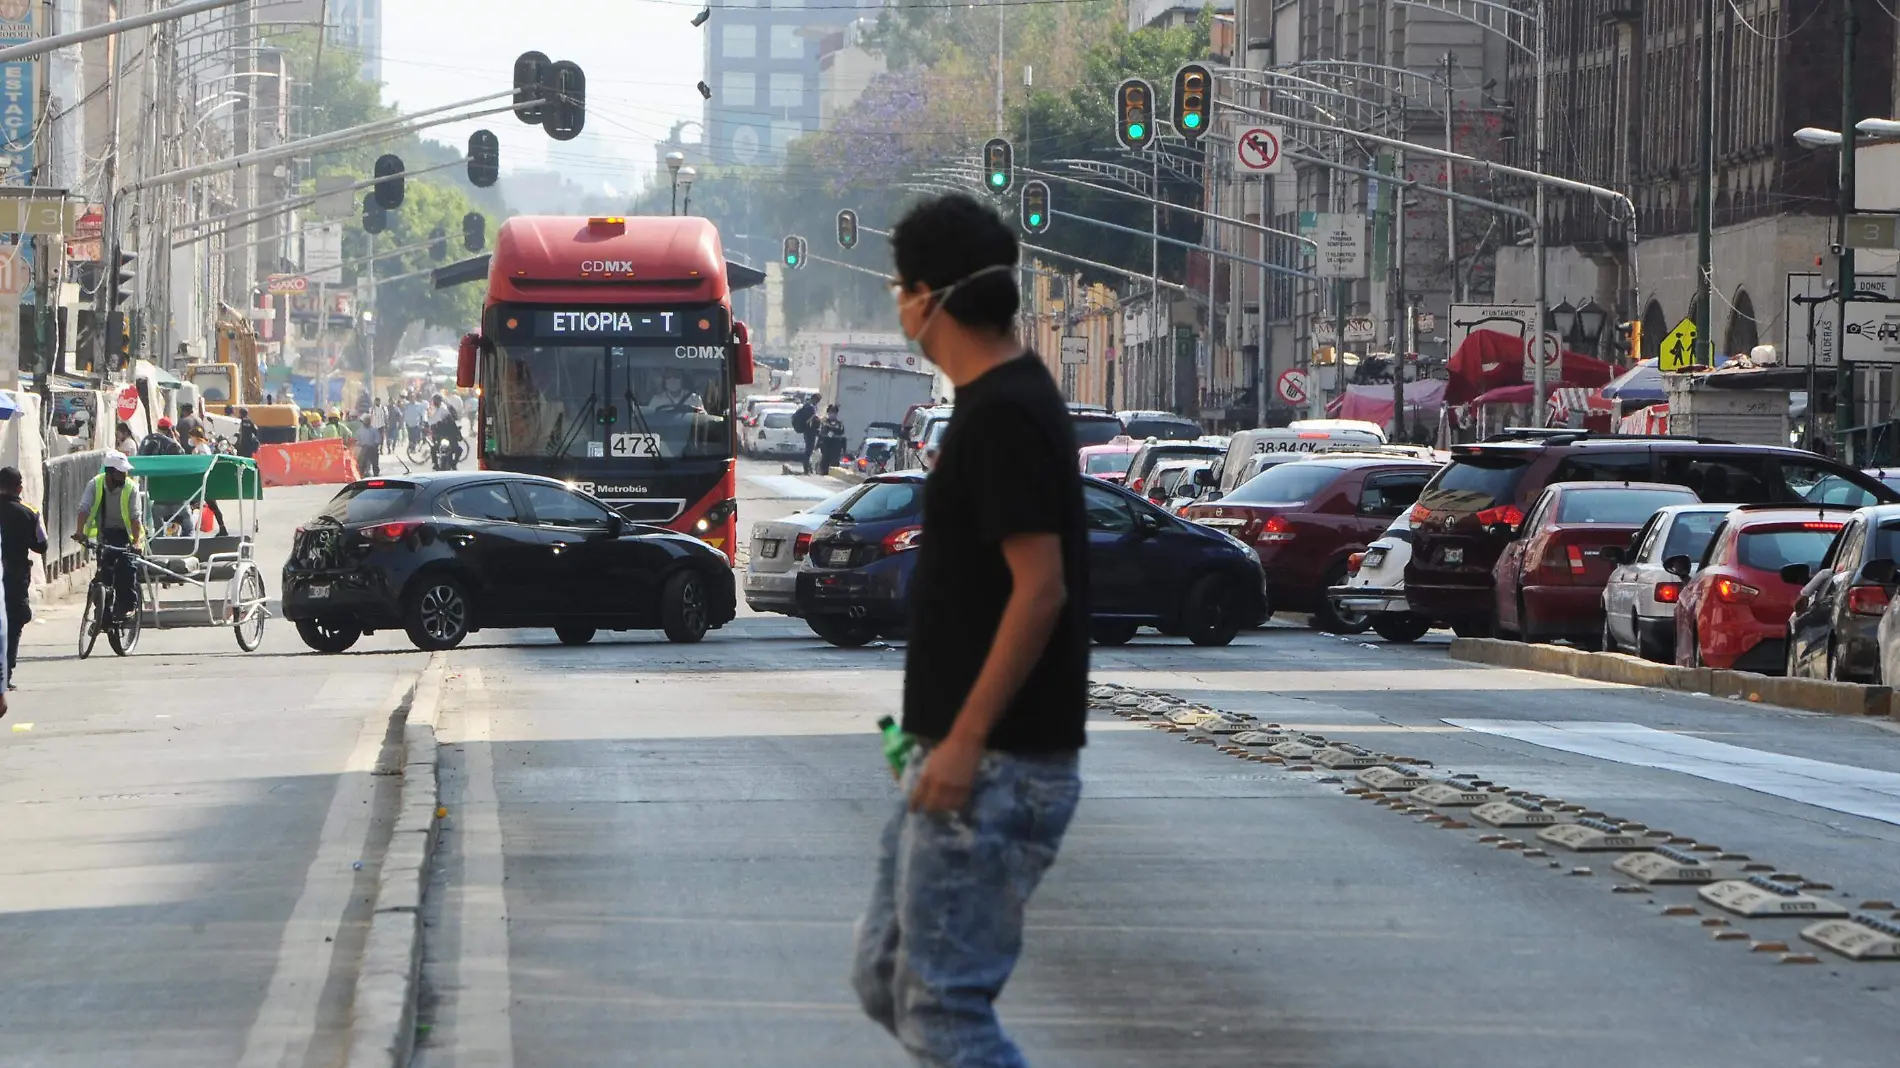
(1510, 844)
(1629, 888)
(1714, 921)
(1517, 812)
(1299, 767)
(1758, 896)
(1881, 905)
(1817, 886)
(1861, 937)
(1679, 910)
(1665, 865)
(1799, 958)
(1293, 750)
(1384, 778)
(1535, 853)
(1729, 934)
(1488, 838)
(1769, 947)
(1330, 779)
(1339, 758)
(1592, 836)
(1581, 871)
(1454, 825)
(1445, 795)
(1259, 737)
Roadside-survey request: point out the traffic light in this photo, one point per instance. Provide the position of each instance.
(1629, 339)
(1193, 100)
(389, 182)
(567, 103)
(122, 275)
(1000, 159)
(531, 73)
(439, 244)
(847, 229)
(474, 231)
(1036, 207)
(794, 252)
(375, 220)
(121, 329)
(1134, 114)
(484, 159)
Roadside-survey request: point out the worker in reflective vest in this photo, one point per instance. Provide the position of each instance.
(109, 515)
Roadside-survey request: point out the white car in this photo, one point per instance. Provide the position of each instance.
(1376, 586)
(774, 436)
(779, 553)
(1171, 483)
(1639, 601)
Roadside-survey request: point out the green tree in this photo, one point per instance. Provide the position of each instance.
(426, 208)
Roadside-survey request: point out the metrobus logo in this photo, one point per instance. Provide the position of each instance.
(625, 266)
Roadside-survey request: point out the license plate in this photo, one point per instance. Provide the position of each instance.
(1454, 556)
(839, 557)
(318, 593)
(768, 550)
(1373, 559)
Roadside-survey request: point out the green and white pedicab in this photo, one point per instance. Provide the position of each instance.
(189, 574)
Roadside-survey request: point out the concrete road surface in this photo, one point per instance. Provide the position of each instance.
(655, 852)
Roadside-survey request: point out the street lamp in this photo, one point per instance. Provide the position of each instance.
(686, 176)
(1563, 319)
(1591, 319)
(673, 162)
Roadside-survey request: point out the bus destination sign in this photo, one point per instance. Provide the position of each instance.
(516, 324)
(609, 324)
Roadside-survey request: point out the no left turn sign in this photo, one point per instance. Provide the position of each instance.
(1258, 148)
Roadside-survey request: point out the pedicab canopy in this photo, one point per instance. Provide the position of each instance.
(221, 476)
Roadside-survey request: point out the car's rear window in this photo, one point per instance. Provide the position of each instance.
(1097, 430)
(1469, 485)
(1293, 483)
(778, 420)
(1773, 548)
(887, 500)
(1620, 507)
(367, 502)
(1107, 463)
(1165, 429)
(1689, 535)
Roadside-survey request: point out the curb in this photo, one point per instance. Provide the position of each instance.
(1809, 695)
(383, 1010)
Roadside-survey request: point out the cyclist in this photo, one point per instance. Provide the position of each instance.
(109, 515)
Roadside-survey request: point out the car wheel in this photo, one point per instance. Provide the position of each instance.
(1401, 628)
(437, 616)
(1332, 618)
(1113, 631)
(683, 613)
(574, 635)
(1211, 615)
(328, 635)
(842, 632)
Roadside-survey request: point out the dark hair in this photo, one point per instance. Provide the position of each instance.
(946, 240)
(10, 478)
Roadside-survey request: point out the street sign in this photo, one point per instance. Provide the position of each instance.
(128, 403)
(1342, 245)
(1515, 321)
(1871, 231)
(1873, 332)
(1292, 386)
(278, 284)
(1075, 350)
(1360, 328)
(1259, 149)
(323, 254)
(1323, 333)
(1827, 324)
(26, 215)
(1678, 347)
(1427, 321)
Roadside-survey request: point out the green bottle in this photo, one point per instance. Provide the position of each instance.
(897, 745)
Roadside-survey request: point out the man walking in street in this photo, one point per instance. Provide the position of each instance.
(413, 413)
(805, 421)
(996, 674)
(21, 535)
(247, 436)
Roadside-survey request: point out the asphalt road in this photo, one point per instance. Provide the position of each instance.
(654, 854)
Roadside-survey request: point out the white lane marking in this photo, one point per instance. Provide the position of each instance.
(796, 487)
(287, 1019)
(484, 1034)
(1837, 787)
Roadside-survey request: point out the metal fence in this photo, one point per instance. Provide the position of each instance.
(66, 480)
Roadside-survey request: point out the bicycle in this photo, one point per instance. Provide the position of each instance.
(100, 614)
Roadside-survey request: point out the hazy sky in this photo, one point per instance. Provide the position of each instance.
(642, 58)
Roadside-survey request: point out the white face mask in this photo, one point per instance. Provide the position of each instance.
(916, 344)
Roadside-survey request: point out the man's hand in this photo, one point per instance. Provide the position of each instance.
(943, 784)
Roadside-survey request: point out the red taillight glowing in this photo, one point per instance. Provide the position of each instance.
(1867, 600)
(1575, 556)
(392, 532)
(801, 546)
(1668, 592)
(1420, 513)
(903, 538)
(1353, 562)
(1729, 591)
(376, 483)
(1829, 527)
(1510, 515)
(1276, 529)
(1136, 485)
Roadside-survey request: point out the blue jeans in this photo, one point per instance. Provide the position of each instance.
(945, 923)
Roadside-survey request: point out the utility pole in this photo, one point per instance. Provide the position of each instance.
(1154, 261)
(237, 269)
(1540, 388)
(1401, 312)
(1261, 349)
(1451, 206)
(1845, 416)
(1705, 191)
(109, 216)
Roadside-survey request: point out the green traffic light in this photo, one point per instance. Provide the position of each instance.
(1191, 120)
(996, 178)
(791, 261)
(1035, 218)
(1136, 131)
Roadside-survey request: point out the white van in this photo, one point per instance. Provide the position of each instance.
(1288, 443)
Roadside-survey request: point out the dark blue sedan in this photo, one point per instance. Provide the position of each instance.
(1146, 568)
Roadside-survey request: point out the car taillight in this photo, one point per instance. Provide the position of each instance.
(1729, 591)
(1276, 529)
(1420, 513)
(1509, 515)
(1575, 556)
(1668, 592)
(901, 539)
(1136, 484)
(1867, 600)
(801, 546)
(1353, 562)
(392, 532)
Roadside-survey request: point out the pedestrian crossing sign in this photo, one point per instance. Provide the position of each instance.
(1678, 347)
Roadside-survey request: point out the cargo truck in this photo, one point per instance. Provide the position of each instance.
(867, 395)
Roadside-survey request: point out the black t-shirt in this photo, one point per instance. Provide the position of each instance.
(1007, 467)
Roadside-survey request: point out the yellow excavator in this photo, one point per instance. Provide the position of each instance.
(235, 378)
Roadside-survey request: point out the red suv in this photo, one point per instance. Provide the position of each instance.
(1461, 524)
(1733, 613)
(1307, 517)
(1550, 577)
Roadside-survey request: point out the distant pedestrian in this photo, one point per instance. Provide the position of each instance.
(831, 438)
(805, 421)
(160, 442)
(248, 439)
(379, 419)
(414, 414)
(996, 672)
(369, 448)
(124, 440)
(189, 425)
(21, 534)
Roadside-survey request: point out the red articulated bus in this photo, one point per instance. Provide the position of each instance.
(608, 357)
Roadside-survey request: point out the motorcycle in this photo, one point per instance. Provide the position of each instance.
(448, 452)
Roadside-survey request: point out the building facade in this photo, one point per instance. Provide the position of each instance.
(762, 65)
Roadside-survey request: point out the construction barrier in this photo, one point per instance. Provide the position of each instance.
(307, 463)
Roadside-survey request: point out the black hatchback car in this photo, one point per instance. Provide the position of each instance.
(444, 555)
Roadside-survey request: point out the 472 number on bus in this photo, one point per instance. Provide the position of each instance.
(625, 446)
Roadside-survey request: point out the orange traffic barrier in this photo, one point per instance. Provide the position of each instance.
(307, 463)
